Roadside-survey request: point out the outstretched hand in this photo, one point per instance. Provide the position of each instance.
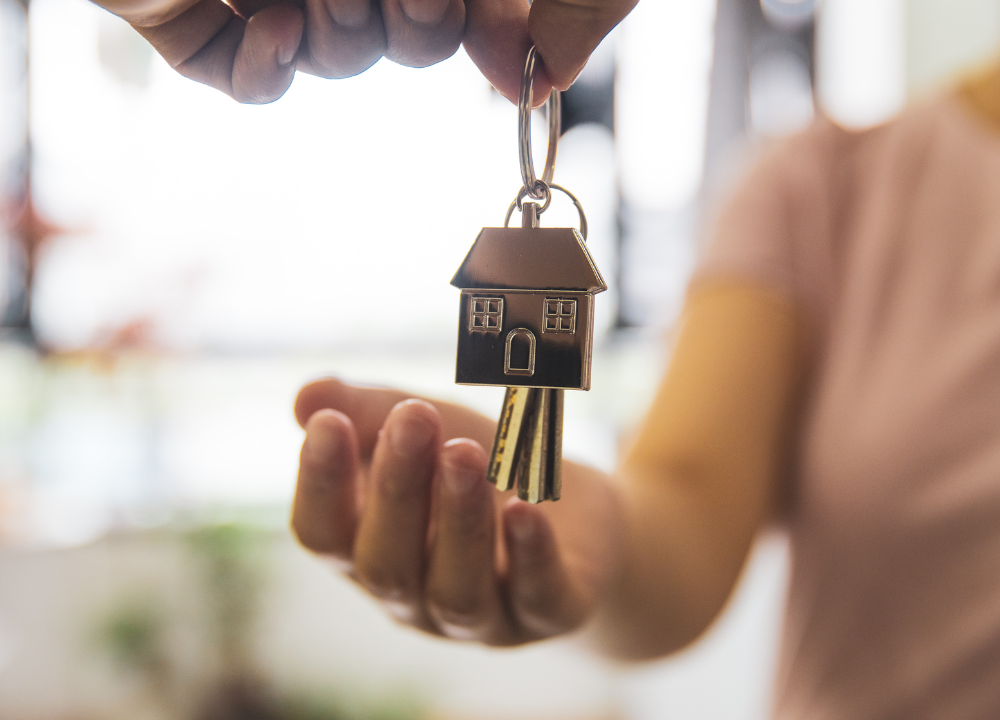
(250, 49)
(395, 489)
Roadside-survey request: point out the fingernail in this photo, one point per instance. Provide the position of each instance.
(460, 478)
(411, 435)
(286, 52)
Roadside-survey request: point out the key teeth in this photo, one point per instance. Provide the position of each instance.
(509, 438)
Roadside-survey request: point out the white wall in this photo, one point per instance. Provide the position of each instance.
(945, 38)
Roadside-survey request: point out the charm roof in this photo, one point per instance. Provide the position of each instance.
(529, 259)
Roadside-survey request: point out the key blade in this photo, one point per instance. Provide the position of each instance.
(509, 437)
(532, 480)
(553, 486)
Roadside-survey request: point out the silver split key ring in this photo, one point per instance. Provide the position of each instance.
(524, 102)
(535, 188)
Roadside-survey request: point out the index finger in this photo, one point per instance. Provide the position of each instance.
(250, 60)
(368, 407)
(324, 511)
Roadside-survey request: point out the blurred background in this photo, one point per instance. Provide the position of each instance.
(173, 266)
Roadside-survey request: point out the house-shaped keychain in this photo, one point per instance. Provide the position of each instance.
(527, 309)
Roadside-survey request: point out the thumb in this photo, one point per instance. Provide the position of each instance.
(566, 32)
(498, 34)
(496, 38)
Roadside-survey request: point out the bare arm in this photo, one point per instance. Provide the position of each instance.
(704, 473)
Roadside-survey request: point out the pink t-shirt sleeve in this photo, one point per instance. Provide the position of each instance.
(750, 236)
(775, 228)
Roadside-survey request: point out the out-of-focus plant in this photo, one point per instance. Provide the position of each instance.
(132, 635)
(232, 565)
(234, 569)
(307, 705)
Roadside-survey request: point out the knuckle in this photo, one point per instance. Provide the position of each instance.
(405, 613)
(392, 588)
(544, 616)
(458, 614)
(417, 45)
(402, 611)
(323, 64)
(256, 97)
(256, 90)
(339, 564)
(418, 53)
(347, 54)
(322, 540)
(334, 67)
(536, 610)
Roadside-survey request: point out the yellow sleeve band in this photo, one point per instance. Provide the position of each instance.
(722, 415)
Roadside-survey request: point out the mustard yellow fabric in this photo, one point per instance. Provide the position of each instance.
(723, 409)
(982, 92)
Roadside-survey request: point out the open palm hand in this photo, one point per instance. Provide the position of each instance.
(395, 489)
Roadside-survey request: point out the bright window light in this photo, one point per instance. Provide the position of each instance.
(861, 60)
(227, 226)
(664, 61)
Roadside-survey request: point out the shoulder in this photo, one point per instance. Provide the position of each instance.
(814, 161)
(754, 220)
(783, 221)
(821, 173)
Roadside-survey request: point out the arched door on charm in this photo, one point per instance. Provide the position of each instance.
(519, 353)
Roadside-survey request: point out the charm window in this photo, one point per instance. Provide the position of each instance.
(486, 314)
(560, 316)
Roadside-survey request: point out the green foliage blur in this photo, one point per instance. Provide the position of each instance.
(230, 565)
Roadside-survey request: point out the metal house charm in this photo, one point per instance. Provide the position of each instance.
(526, 320)
(527, 309)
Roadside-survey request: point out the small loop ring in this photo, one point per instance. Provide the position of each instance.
(524, 102)
(539, 191)
(522, 194)
(579, 208)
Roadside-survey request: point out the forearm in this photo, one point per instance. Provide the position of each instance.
(675, 572)
(704, 473)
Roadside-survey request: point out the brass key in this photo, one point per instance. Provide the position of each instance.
(527, 450)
